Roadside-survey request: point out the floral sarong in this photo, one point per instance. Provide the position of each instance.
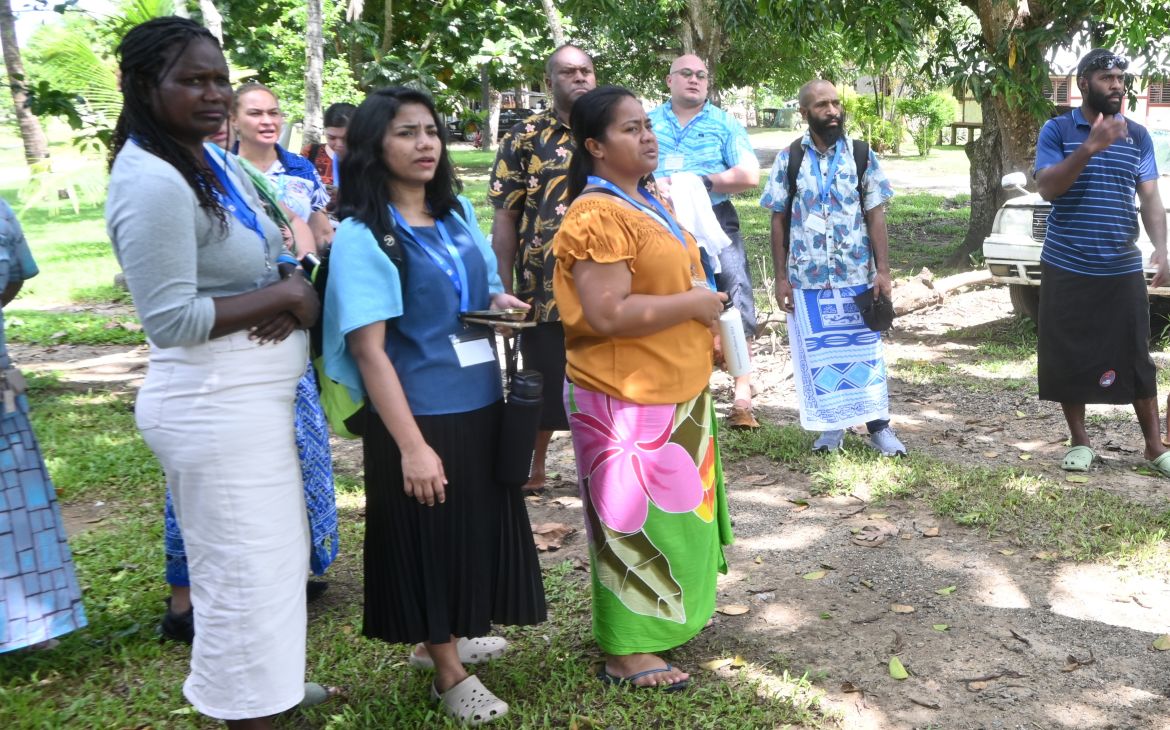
(651, 482)
(838, 363)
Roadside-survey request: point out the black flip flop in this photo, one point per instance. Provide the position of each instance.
(617, 681)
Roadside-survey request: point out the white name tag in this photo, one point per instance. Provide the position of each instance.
(674, 162)
(816, 223)
(472, 349)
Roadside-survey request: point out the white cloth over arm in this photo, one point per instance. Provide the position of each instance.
(692, 210)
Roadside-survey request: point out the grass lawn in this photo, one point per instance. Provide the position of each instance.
(116, 674)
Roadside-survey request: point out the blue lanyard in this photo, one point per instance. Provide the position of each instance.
(658, 212)
(234, 202)
(336, 172)
(826, 188)
(454, 269)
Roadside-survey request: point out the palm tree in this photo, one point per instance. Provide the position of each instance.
(36, 147)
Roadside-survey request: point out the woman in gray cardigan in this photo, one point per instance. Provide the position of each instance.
(227, 347)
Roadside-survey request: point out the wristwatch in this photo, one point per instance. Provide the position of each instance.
(707, 183)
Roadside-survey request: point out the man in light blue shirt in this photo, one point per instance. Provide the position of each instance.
(696, 136)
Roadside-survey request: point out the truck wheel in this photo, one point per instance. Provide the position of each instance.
(1025, 300)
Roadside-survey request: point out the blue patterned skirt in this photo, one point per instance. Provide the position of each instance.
(39, 595)
(312, 434)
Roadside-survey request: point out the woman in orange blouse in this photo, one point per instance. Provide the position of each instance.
(638, 317)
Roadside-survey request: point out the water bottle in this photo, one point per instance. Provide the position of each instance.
(735, 346)
(518, 427)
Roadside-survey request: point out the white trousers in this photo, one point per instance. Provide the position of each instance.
(219, 417)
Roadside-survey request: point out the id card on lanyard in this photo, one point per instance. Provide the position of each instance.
(818, 220)
(471, 346)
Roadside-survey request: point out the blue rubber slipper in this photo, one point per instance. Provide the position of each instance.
(613, 679)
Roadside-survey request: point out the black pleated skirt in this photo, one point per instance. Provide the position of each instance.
(457, 567)
(1093, 338)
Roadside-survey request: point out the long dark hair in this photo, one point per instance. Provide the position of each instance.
(589, 117)
(365, 179)
(145, 55)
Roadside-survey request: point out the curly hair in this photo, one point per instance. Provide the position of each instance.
(145, 55)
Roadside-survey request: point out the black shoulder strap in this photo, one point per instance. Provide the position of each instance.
(861, 161)
(795, 157)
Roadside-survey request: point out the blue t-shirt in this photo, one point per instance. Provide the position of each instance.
(365, 287)
(1093, 227)
(16, 262)
(713, 141)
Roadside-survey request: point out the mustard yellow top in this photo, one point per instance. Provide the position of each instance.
(669, 366)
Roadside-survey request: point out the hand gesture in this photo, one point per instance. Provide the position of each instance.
(1162, 275)
(706, 305)
(1106, 130)
(784, 294)
(422, 475)
(275, 329)
(882, 286)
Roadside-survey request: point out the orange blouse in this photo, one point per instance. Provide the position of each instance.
(669, 366)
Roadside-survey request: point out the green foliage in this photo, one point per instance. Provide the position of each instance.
(864, 121)
(926, 115)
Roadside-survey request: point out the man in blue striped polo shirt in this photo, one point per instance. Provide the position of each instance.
(1094, 309)
(696, 136)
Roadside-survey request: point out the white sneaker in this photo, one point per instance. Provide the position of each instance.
(886, 441)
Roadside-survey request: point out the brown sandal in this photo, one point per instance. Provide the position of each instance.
(741, 416)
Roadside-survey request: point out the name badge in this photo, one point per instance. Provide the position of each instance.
(816, 223)
(472, 348)
(674, 163)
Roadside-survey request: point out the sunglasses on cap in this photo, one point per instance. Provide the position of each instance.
(1106, 62)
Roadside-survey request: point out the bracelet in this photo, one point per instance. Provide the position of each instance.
(287, 258)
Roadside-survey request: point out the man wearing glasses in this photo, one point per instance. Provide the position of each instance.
(696, 136)
(1094, 308)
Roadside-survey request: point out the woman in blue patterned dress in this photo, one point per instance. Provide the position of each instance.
(39, 595)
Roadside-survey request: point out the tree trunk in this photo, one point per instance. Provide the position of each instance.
(314, 70)
(387, 29)
(212, 19)
(701, 33)
(493, 120)
(36, 147)
(554, 22)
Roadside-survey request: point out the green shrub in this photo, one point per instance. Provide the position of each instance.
(926, 115)
(864, 122)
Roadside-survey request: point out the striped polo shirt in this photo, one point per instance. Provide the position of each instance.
(713, 141)
(1093, 227)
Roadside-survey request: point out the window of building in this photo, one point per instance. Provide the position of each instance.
(1159, 92)
(1056, 90)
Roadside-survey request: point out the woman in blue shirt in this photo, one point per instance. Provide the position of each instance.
(448, 550)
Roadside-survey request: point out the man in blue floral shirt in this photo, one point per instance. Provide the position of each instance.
(834, 250)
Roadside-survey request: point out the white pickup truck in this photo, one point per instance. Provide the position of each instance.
(1012, 249)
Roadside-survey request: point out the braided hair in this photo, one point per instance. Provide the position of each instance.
(147, 52)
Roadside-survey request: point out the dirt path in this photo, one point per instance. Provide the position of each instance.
(1027, 643)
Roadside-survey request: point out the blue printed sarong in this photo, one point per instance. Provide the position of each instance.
(837, 361)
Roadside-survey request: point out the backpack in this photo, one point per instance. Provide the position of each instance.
(347, 417)
(796, 156)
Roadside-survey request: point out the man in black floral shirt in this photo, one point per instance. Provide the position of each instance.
(529, 190)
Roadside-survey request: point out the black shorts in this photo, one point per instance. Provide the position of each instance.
(1094, 338)
(543, 350)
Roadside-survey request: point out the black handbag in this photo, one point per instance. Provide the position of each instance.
(521, 420)
(876, 311)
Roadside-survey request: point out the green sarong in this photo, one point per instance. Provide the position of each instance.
(656, 514)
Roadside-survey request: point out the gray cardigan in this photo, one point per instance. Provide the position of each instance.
(177, 256)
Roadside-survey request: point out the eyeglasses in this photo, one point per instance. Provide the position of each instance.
(1107, 63)
(688, 74)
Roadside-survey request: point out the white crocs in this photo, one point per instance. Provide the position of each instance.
(470, 702)
(471, 651)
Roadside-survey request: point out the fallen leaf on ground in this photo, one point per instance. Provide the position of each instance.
(551, 535)
(1077, 480)
(990, 454)
(1025, 457)
(902, 608)
(897, 670)
(946, 591)
(878, 516)
(758, 480)
(716, 664)
(1020, 638)
(1162, 643)
(130, 326)
(799, 507)
(1007, 551)
(815, 575)
(1071, 664)
(733, 609)
(927, 705)
(568, 501)
(1021, 414)
(848, 687)
(868, 584)
(930, 532)
(978, 686)
(578, 722)
(940, 627)
(826, 616)
(1046, 555)
(738, 661)
(759, 560)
